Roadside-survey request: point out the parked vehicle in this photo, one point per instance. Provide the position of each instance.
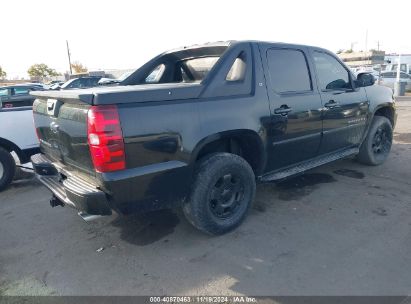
(404, 67)
(54, 85)
(389, 78)
(18, 95)
(113, 81)
(80, 83)
(199, 126)
(17, 133)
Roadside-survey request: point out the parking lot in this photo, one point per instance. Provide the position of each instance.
(341, 229)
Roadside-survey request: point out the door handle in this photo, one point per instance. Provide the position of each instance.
(332, 104)
(283, 110)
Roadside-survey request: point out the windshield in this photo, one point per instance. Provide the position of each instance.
(66, 84)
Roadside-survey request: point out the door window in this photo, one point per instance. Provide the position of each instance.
(20, 91)
(4, 92)
(288, 71)
(332, 75)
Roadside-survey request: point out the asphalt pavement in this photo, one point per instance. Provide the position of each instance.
(341, 229)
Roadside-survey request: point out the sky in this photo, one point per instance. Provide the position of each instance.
(124, 34)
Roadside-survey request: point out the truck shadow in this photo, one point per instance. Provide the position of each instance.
(145, 229)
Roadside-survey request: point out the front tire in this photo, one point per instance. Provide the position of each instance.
(377, 145)
(222, 193)
(7, 168)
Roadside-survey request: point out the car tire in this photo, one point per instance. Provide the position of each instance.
(377, 145)
(7, 168)
(222, 193)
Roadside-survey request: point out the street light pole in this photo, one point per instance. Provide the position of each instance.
(69, 59)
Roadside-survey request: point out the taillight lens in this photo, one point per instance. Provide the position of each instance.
(105, 138)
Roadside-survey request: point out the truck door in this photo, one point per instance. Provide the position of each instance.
(345, 107)
(296, 126)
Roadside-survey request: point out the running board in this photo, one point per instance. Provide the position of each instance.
(307, 165)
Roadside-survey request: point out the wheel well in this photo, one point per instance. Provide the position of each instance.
(386, 112)
(247, 145)
(9, 146)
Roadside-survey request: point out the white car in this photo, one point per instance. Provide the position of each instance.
(17, 133)
(388, 79)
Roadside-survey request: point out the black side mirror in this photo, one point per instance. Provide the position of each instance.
(364, 80)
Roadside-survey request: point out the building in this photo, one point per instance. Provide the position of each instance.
(369, 58)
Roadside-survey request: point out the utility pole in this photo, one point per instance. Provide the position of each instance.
(352, 45)
(68, 54)
(366, 40)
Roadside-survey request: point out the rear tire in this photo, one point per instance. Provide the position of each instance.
(222, 193)
(377, 145)
(7, 168)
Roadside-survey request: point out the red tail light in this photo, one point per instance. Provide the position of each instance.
(105, 139)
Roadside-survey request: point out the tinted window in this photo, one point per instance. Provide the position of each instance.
(403, 67)
(21, 91)
(237, 70)
(288, 71)
(156, 74)
(4, 92)
(331, 73)
(74, 84)
(94, 81)
(199, 67)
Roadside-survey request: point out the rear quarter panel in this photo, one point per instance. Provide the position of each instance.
(16, 126)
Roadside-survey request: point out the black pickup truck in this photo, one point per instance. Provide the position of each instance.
(199, 126)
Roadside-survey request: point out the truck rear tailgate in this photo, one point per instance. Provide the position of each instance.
(61, 125)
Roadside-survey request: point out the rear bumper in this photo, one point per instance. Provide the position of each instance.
(71, 190)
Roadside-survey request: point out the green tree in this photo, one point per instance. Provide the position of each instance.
(78, 67)
(41, 70)
(3, 73)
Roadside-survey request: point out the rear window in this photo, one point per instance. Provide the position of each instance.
(199, 67)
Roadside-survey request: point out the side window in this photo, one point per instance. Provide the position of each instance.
(404, 75)
(288, 71)
(94, 81)
(21, 91)
(75, 84)
(4, 92)
(331, 73)
(237, 70)
(155, 75)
